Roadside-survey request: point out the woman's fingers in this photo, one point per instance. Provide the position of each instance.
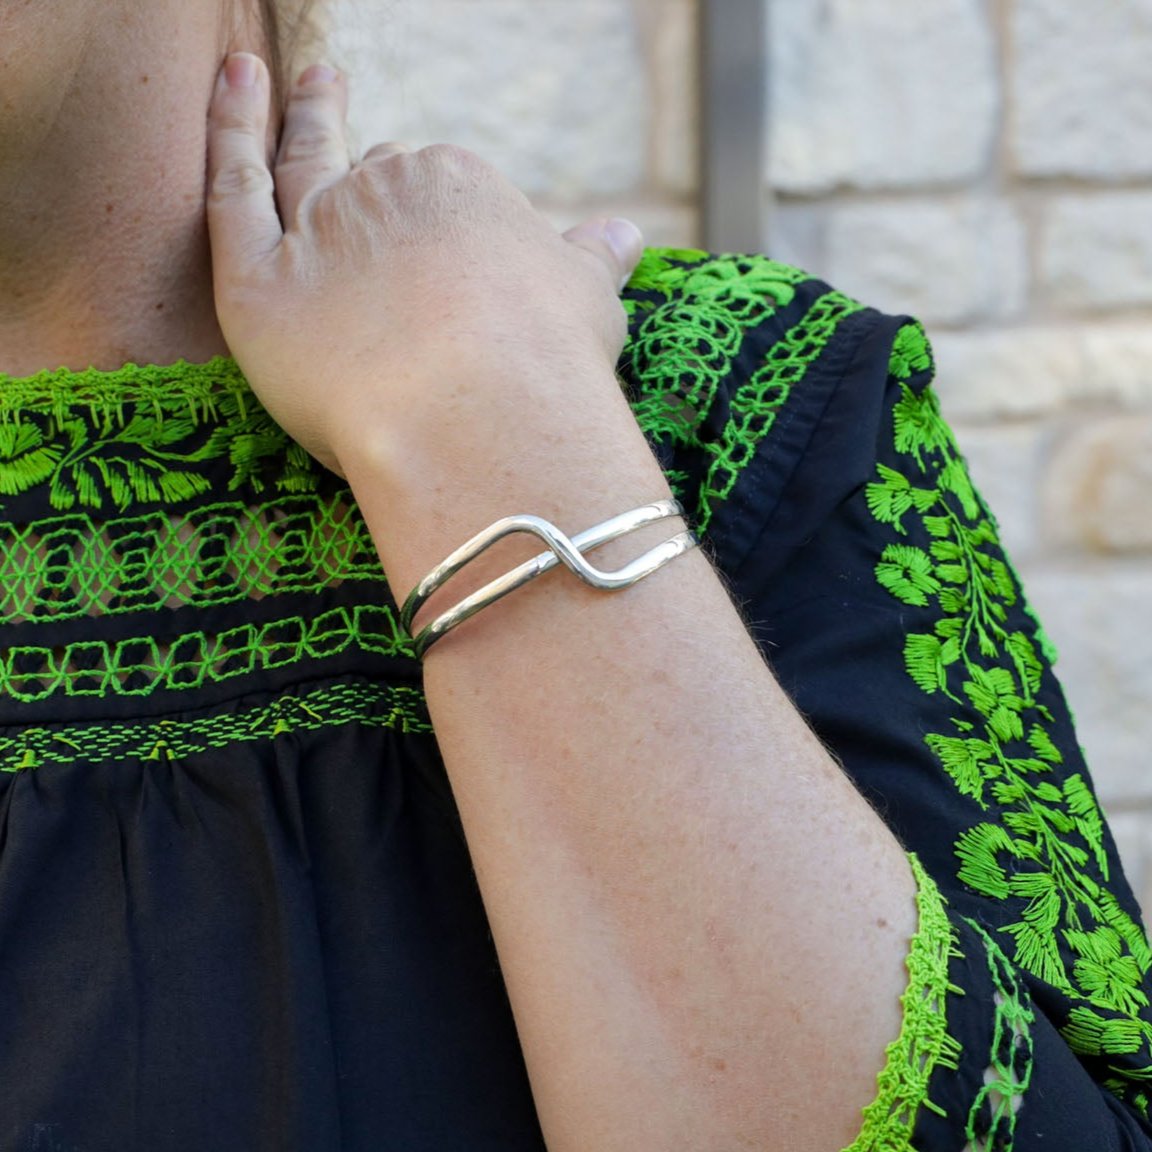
(313, 145)
(383, 151)
(617, 243)
(242, 218)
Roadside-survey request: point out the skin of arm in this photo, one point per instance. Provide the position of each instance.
(701, 924)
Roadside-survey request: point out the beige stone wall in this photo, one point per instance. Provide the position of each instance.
(587, 105)
(983, 164)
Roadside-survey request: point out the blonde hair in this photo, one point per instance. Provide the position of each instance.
(296, 31)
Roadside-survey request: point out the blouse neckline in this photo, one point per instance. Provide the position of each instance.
(58, 389)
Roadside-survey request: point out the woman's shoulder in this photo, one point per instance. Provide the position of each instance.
(749, 375)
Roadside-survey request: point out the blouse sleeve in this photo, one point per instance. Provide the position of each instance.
(803, 431)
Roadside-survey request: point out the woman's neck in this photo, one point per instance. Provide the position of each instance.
(104, 253)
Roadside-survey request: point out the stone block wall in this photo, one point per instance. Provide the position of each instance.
(588, 106)
(985, 165)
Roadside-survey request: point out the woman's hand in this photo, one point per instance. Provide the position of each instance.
(414, 294)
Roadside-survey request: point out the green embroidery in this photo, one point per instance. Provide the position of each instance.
(686, 344)
(181, 388)
(924, 1043)
(141, 434)
(992, 1118)
(145, 434)
(369, 704)
(101, 444)
(79, 565)
(737, 283)
(1071, 933)
(143, 665)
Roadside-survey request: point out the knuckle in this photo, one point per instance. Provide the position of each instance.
(380, 153)
(227, 119)
(242, 178)
(313, 95)
(370, 178)
(453, 156)
(302, 147)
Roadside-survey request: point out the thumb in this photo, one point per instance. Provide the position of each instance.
(616, 242)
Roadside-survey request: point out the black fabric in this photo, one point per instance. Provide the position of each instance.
(270, 953)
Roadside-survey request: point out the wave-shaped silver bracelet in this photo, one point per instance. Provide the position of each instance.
(562, 550)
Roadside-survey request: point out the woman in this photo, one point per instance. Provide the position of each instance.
(236, 908)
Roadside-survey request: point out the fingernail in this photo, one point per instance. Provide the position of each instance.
(319, 74)
(627, 242)
(241, 70)
(624, 237)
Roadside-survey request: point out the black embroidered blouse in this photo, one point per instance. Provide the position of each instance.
(237, 910)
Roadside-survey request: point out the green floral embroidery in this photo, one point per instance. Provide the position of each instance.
(924, 1043)
(369, 704)
(128, 437)
(691, 320)
(1046, 836)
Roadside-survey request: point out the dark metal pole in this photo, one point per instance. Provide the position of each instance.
(733, 124)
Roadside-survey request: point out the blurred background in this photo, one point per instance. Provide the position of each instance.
(985, 165)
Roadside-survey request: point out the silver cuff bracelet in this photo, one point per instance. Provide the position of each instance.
(562, 550)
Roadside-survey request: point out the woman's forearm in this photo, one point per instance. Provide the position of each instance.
(701, 923)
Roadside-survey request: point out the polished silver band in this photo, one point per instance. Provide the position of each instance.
(563, 550)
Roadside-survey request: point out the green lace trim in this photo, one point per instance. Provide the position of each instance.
(992, 1118)
(685, 346)
(142, 665)
(119, 438)
(334, 705)
(78, 565)
(192, 389)
(998, 751)
(924, 1043)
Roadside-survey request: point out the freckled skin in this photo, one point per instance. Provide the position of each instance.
(80, 273)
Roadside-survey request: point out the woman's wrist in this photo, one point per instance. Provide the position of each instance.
(426, 484)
